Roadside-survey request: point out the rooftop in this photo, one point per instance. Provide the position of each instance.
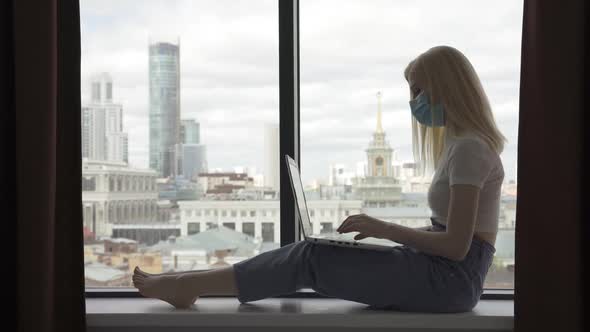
(219, 238)
(101, 272)
(120, 240)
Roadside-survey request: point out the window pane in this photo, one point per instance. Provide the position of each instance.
(194, 228)
(326, 227)
(356, 135)
(268, 232)
(179, 133)
(248, 228)
(230, 225)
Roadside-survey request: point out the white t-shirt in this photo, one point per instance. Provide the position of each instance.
(468, 160)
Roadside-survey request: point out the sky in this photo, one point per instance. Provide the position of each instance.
(349, 51)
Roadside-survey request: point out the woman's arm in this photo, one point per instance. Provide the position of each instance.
(455, 242)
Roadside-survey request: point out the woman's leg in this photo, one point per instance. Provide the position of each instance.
(364, 276)
(138, 270)
(276, 270)
(401, 278)
(378, 278)
(183, 289)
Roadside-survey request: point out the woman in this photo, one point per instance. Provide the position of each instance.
(439, 268)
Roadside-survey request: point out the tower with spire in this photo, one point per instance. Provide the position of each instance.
(379, 151)
(379, 188)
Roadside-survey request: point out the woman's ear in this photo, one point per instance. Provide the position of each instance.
(414, 91)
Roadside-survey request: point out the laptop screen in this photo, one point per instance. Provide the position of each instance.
(299, 195)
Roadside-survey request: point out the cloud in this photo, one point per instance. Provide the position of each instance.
(349, 51)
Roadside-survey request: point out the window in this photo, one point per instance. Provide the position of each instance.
(88, 183)
(356, 133)
(326, 227)
(248, 228)
(194, 228)
(268, 232)
(350, 68)
(95, 91)
(180, 114)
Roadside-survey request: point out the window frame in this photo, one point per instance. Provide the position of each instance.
(289, 137)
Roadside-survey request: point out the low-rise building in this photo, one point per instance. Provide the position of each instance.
(260, 219)
(114, 193)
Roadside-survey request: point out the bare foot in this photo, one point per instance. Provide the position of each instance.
(167, 288)
(137, 270)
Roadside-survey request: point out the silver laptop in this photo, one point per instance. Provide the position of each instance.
(332, 238)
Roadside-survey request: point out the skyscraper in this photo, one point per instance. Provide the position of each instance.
(190, 132)
(103, 137)
(194, 160)
(271, 156)
(164, 72)
(93, 132)
(191, 156)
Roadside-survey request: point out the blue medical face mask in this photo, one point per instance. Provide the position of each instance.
(422, 110)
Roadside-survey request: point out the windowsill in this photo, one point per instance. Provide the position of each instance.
(226, 312)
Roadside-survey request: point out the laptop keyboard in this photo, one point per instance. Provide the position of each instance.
(350, 238)
(339, 236)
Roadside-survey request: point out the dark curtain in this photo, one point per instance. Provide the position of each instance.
(41, 161)
(550, 223)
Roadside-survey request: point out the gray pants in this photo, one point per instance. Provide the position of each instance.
(402, 279)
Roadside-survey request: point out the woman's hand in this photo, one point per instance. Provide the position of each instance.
(365, 225)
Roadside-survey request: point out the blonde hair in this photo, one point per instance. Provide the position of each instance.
(449, 79)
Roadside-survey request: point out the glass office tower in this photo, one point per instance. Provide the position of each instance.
(164, 72)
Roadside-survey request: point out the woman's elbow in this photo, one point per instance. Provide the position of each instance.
(458, 254)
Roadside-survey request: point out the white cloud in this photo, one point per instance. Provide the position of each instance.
(349, 51)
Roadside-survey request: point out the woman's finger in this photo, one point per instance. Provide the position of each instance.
(354, 226)
(350, 222)
(360, 236)
(351, 226)
(344, 223)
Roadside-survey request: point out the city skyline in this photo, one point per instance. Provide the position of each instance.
(230, 73)
(189, 138)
